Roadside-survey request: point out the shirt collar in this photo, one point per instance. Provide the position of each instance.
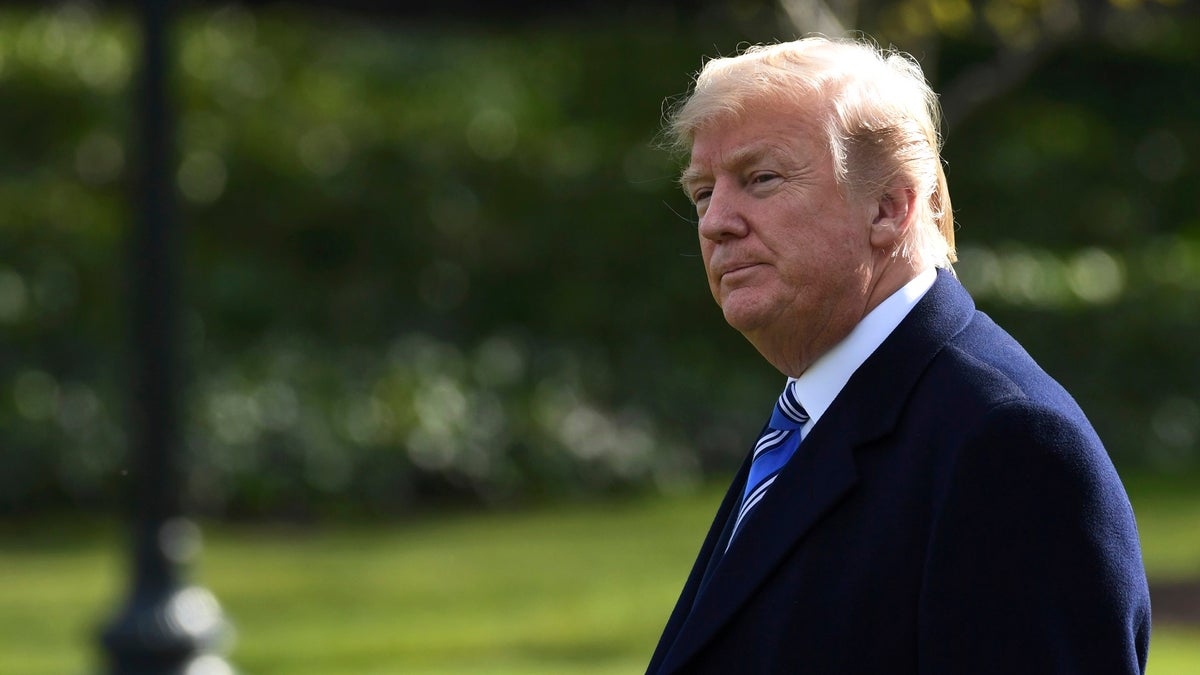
(818, 386)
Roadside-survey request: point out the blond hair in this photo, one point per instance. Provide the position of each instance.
(882, 120)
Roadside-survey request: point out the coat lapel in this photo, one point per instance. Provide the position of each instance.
(807, 488)
(815, 480)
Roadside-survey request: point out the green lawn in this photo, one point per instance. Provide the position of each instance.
(577, 589)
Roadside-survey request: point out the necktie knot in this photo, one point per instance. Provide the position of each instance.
(788, 413)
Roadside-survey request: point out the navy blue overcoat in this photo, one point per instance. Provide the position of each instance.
(952, 513)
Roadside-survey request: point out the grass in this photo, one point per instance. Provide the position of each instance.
(579, 589)
(1168, 514)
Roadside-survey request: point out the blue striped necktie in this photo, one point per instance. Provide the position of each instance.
(775, 447)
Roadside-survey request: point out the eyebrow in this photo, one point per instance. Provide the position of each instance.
(691, 176)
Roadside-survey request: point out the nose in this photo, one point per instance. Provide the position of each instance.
(722, 216)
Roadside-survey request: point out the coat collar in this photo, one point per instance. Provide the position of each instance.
(816, 478)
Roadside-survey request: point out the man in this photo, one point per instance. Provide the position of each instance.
(925, 499)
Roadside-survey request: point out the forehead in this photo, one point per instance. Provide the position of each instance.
(781, 133)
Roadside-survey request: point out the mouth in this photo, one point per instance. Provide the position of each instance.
(737, 269)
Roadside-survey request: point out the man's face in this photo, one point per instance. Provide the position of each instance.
(788, 257)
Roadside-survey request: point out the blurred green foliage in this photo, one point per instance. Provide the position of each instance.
(449, 261)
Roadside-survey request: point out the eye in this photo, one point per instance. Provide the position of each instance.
(699, 193)
(763, 177)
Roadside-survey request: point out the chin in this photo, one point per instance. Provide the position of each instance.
(742, 317)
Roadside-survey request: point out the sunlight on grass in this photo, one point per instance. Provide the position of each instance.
(52, 586)
(579, 589)
(1168, 514)
(1174, 651)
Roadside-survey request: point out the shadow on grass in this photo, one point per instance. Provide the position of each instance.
(1176, 602)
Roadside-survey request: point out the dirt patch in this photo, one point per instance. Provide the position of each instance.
(1176, 602)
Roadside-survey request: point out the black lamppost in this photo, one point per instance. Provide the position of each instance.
(165, 627)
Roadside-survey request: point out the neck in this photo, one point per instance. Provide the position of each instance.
(780, 347)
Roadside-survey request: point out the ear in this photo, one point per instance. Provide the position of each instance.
(891, 216)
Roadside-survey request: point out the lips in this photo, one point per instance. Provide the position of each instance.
(733, 268)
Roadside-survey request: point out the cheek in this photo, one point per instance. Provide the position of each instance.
(706, 251)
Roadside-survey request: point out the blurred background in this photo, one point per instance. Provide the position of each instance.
(458, 399)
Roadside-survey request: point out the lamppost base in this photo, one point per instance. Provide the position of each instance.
(175, 633)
